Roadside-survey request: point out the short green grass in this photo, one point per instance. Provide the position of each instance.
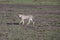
(31, 2)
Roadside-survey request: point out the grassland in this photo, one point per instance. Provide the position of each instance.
(31, 2)
(46, 27)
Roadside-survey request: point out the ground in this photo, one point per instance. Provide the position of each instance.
(46, 27)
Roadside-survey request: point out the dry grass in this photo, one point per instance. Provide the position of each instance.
(47, 26)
